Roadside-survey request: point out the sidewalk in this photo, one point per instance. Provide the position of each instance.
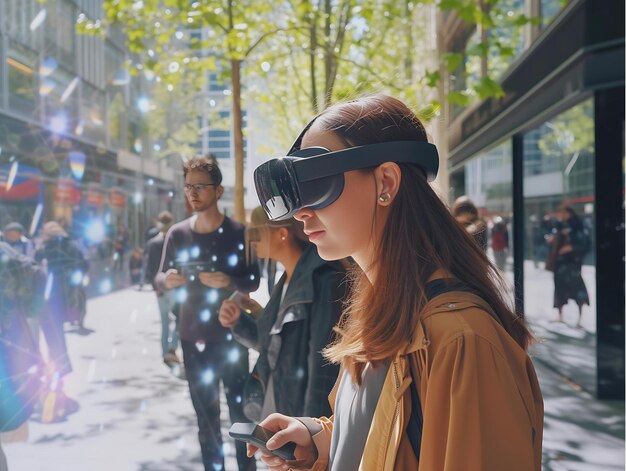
(135, 415)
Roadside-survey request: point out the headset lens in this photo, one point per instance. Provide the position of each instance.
(277, 188)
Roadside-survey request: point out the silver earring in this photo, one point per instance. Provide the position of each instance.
(385, 197)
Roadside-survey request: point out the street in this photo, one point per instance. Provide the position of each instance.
(136, 415)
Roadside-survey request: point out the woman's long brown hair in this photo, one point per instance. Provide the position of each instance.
(419, 237)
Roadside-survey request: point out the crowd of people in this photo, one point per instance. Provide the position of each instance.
(373, 344)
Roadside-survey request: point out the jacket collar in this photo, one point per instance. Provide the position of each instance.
(446, 302)
(301, 286)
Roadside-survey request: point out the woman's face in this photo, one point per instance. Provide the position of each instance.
(345, 227)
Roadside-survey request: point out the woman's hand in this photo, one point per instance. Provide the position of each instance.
(216, 279)
(229, 314)
(287, 429)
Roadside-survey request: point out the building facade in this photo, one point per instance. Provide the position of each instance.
(71, 140)
(555, 138)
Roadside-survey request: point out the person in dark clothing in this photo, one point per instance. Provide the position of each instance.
(120, 245)
(466, 214)
(204, 261)
(22, 284)
(65, 266)
(570, 242)
(135, 263)
(291, 375)
(165, 298)
(153, 230)
(500, 242)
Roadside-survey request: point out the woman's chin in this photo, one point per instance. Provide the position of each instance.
(330, 253)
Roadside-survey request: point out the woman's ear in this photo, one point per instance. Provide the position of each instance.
(388, 178)
(283, 234)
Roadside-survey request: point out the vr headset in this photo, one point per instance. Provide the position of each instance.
(313, 177)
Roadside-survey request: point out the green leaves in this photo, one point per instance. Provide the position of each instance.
(487, 87)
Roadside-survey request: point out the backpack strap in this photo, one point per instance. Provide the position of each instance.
(416, 420)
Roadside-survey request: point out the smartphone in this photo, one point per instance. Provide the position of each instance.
(240, 298)
(258, 436)
(191, 270)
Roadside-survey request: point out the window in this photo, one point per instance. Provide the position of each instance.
(22, 79)
(559, 170)
(487, 179)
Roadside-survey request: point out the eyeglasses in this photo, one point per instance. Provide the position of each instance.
(198, 186)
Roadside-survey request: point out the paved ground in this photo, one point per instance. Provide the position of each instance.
(135, 415)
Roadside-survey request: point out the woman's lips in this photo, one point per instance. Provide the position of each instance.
(313, 235)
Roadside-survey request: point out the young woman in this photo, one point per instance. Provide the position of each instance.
(290, 376)
(435, 374)
(570, 243)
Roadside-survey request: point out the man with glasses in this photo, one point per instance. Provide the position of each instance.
(204, 261)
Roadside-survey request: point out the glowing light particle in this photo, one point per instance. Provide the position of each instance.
(70, 89)
(234, 355)
(181, 295)
(212, 296)
(105, 286)
(207, 376)
(36, 218)
(205, 315)
(49, 283)
(38, 20)
(12, 175)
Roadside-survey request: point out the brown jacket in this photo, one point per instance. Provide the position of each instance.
(480, 398)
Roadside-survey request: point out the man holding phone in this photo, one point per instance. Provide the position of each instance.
(215, 243)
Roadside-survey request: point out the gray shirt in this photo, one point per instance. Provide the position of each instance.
(354, 410)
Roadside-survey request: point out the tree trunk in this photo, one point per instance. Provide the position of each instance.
(312, 53)
(328, 53)
(235, 64)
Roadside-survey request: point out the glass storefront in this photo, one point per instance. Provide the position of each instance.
(487, 179)
(559, 266)
(559, 208)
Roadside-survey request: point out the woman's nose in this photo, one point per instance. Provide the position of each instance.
(303, 215)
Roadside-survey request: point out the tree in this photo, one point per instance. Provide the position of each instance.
(313, 52)
(227, 31)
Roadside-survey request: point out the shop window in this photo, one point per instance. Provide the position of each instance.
(559, 267)
(22, 79)
(549, 10)
(487, 179)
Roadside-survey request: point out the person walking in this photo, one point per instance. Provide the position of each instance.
(466, 214)
(165, 298)
(204, 261)
(435, 374)
(500, 242)
(120, 245)
(569, 244)
(65, 266)
(291, 376)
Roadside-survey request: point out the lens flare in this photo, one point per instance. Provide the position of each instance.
(70, 89)
(38, 20)
(12, 175)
